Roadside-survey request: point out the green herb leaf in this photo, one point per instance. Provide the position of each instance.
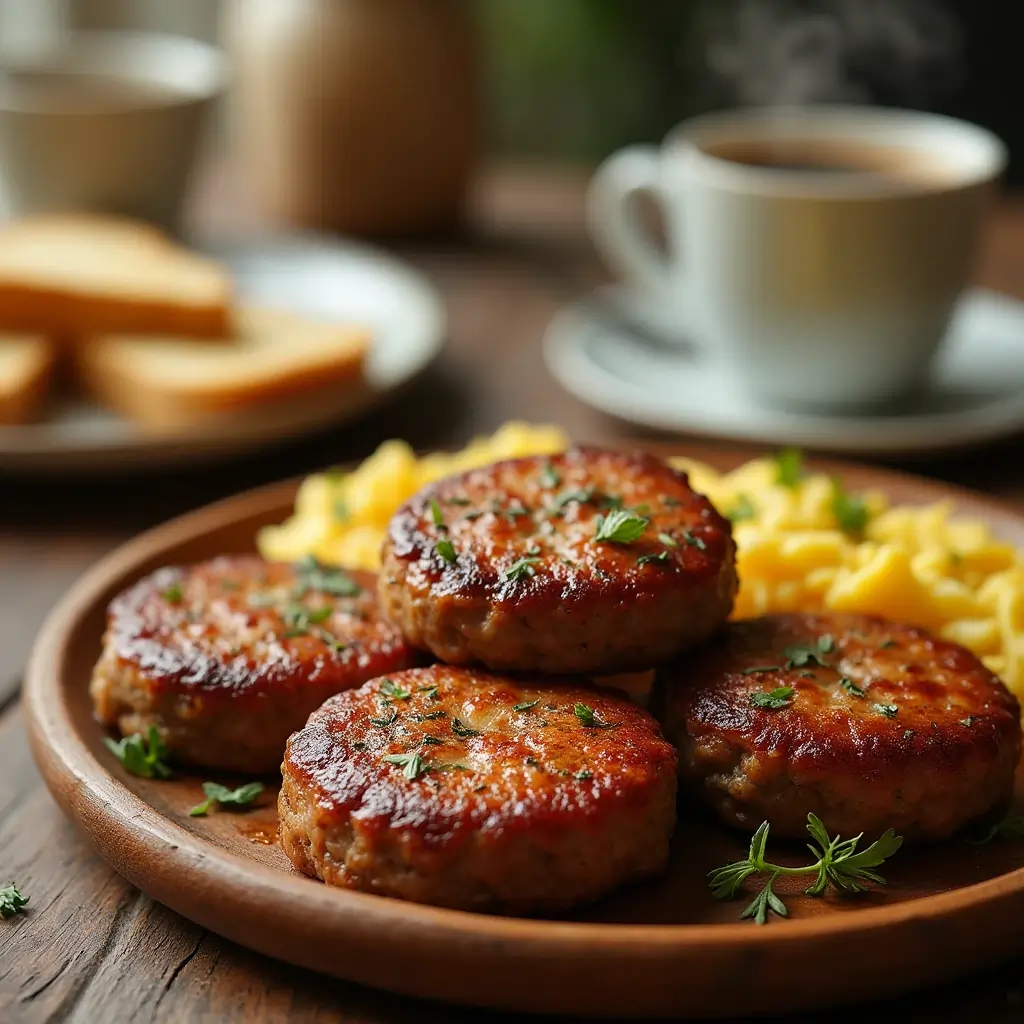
(312, 576)
(436, 515)
(780, 697)
(694, 541)
(838, 863)
(549, 477)
(889, 710)
(661, 556)
(588, 718)
(789, 468)
(850, 511)
(526, 705)
(428, 691)
(799, 655)
(619, 527)
(145, 757)
(173, 594)
(383, 723)
(459, 729)
(1009, 827)
(12, 901)
(968, 722)
(446, 550)
(888, 643)
(668, 540)
(743, 510)
(521, 569)
(433, 716)
(412, 764)
(582, 775)
(431, 741)
(218, 794)
(851, 687)
(755, 669)
(391, 689)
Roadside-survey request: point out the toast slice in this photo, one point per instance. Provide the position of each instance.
(78, 275)
(26, 367)
(170, 383)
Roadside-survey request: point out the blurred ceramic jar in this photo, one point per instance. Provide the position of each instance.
(360, 116)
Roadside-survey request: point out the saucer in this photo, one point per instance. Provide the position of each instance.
(611, 352)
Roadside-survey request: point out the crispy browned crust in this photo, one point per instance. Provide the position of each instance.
(944, 758)
(582, 605)
(206, 654)
(532, 810)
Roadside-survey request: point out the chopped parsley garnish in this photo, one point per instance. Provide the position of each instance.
(173, 594)
(332, 641)
(436, 514)
(457, 500)
(326, 579)
(789, 468)
(661, 556)
(429, 718)
(431, 741)
(743, 510)
(446, 550)
(610, 500)
(581, 775)
(671, 502)
(889, 710)
(967, 722)
(619, 527)
(459, 729)
(549, 476)
(1010, 827)
(839, 864)
(412, 764)
(262, 600)
(668, 540)
(888, 643)
(694, 541)
(850, 510)
(760, 668)
(772, 700)
(589, 718)
(580, 495)
(521, 569)
(526, 705)
(801, 655)
(851, 687)
(429, 691)
(140, 755)
(383, 723)
(12, 901)
(224, 797)
(298, 618)
(391, 689)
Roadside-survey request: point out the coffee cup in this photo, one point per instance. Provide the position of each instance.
(104, 122)
(819, 252)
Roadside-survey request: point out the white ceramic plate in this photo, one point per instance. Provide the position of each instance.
(607, 351)
(324, 278)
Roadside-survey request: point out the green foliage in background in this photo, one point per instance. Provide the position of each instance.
(575, 79)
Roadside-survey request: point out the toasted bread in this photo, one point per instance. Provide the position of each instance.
(26, 366)
(78, 275)
(170, 383)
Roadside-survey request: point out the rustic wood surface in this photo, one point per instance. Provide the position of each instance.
(92, 949)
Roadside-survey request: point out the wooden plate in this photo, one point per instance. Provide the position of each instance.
(662, 948)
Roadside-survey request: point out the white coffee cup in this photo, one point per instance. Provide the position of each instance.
(820, 251)
(104, 121)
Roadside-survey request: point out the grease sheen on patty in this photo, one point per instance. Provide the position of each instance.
(503, 565)
(227, 658)
(885, 727)
(456, 787)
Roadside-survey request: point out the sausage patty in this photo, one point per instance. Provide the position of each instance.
(869, 724)
(589, 561)
(229, 657)
(455, 787)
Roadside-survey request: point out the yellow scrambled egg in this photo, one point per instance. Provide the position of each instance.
(804, 543)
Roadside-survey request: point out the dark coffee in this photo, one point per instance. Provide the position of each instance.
(46, 89)
(828, 158)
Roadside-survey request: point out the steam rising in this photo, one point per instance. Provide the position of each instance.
(771, 52)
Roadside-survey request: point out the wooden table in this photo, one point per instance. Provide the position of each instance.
(93, 949)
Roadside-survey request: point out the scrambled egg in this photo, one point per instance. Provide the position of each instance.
(804, 543)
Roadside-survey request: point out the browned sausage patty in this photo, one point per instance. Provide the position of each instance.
(537, 564)
(885, 727)
(229, 657)
(455, 787)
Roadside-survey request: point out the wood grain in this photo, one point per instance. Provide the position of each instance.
(525, 238)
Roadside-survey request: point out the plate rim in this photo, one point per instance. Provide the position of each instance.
(580, 376)
(115, 819)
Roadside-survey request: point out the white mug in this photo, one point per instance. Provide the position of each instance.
(820, 251)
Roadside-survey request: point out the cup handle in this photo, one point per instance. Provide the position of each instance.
(612, 216)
